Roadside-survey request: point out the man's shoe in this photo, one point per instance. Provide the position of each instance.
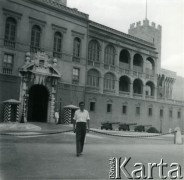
(78, 155)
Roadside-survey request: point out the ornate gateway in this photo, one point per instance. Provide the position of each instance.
(38, 87)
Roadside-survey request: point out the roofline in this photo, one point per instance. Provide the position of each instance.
(57, 6)
(120, 33)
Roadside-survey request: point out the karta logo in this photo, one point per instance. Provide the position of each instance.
(141, 171)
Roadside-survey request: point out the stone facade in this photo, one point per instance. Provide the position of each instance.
(118, 75)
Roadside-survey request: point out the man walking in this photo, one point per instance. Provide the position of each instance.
(80, 126)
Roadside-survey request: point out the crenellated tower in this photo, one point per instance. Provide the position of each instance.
(148, 32)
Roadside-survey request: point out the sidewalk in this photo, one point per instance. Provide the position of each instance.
(33, 126)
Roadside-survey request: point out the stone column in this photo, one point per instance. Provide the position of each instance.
(144, 65)
(117, 87)
(102, 54)
(131, 62)
(101, 84)
(144, 91)
(131, 90)
(117, 57)
(155, 92)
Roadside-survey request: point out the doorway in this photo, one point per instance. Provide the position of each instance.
(38, 104)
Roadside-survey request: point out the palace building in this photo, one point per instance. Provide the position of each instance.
(52, 56)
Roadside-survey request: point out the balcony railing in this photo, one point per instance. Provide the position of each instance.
(149, 72)
(10, 44)
(92, 88)
(57, 54)
(124, 93)
(109, 67)
(138, 74)
(76, 59)
(124, 71)
(137, 69)
(149, 97)
(94, 63)
(34, 49)
(137, 95)
(109, 91)
(124, 65)
(7, 70)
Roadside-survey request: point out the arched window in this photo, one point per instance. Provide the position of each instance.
(76, 48)
(93, 78)
(35, 38)
(150, 88)
(109, 55)
(124, 84)
(57, 44)
(138, 86)
(94, 51)
(150, 66)
(10, 32)
(138, 63)
(109, 81)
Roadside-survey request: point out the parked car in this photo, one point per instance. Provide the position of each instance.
(139, 128)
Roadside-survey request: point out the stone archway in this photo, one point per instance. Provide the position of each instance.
(38, 104)
(38, 89)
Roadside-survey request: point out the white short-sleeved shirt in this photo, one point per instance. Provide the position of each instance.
(81, 116)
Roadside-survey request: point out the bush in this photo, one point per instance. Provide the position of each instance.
(152, 130)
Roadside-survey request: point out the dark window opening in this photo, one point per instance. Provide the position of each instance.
(161, 113)
(150, 111)
(179, 114)
(137, 110)
(109, 108)
(170, 113)
(124, 109)
(92, 106)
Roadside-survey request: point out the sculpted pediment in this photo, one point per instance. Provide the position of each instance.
(40, 63)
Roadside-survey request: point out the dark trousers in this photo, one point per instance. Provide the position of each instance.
(80, 136)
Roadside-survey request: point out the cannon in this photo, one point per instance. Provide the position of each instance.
(108, 125)
(141, 128)
(125, 126)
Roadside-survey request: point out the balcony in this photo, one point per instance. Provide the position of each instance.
(57, 54)
(34, 49)
(9, 44)
(149, 72)
(138, 74)
(7, 70)
(109, 67)
(137, 95)
(94, 63)
(138, 69)
(109, 91)
(76, 59)
(92, 88)
(124, 93)
(149, 97)
(124, 65)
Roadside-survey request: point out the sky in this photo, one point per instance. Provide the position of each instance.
(119, 14)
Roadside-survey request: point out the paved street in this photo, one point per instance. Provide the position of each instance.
(53, 156)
